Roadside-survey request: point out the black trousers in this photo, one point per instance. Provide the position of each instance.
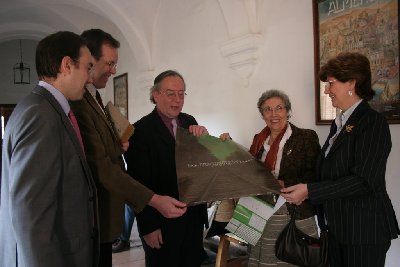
(217, 228)
(182, 241)
(354, 255)
(105, 255)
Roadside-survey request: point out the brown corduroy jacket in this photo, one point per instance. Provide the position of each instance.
(104, 155)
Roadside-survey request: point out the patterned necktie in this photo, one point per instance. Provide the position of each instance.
(98, 98)
(174, 125)
(75, 125)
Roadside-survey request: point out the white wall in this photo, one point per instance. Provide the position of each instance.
(188, 36)
(393, 188)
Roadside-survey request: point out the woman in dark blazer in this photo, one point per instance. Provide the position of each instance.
(290, 154)
(351, 169)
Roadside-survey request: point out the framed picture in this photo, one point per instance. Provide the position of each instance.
(121, 93)
(369, 27)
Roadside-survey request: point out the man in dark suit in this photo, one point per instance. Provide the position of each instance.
(351, 169)
(48, 211)
(104, 151)
(151, 160)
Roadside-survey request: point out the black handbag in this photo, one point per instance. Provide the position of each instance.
(295, 247)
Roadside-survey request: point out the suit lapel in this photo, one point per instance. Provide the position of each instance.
(161, 129)
(331, 133)
(95, 106)
(288, 148)
(350, 124)
(66, 122)
(184, 122)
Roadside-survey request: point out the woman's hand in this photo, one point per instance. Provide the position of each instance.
(225, 136)
(295, 194)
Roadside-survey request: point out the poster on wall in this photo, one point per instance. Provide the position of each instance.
(369, 27)
(121, 94)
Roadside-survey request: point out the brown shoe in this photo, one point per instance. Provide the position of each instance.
(120, 245)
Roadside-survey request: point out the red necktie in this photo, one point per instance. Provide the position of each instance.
(74, 123)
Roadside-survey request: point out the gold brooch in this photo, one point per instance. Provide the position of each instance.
(349, 128)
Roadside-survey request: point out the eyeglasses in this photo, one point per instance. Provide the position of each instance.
(170, 94)
(111, 64)
(328, 84)
(278, 109)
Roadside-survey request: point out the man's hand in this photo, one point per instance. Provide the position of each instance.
(169, 207)
(125, 146)
(197, 130)
(154, 239)
(295, 194)
(225, 136)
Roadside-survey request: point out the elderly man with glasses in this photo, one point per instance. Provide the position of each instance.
(151, 160)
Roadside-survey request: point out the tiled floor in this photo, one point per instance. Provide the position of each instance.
(131, 258)
(135, 256)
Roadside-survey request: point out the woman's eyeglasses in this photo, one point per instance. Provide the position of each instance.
(278, 109)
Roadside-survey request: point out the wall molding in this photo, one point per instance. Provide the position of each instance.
(242, 54)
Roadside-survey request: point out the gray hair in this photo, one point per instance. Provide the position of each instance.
(274, 93)
(160, 77)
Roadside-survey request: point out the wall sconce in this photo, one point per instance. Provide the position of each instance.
(22, 71)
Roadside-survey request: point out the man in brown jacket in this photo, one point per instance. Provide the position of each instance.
(104, 152)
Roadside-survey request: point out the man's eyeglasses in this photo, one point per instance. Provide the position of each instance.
(170, 94)
(111, 64)
(328, 84)
(278, 109)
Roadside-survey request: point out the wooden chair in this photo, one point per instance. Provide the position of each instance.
(223, 258)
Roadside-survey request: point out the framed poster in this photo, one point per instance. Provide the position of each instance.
(369, 27)
(121, 93)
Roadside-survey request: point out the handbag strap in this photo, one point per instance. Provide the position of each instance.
(293, 213)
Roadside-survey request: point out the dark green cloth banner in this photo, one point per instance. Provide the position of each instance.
(209, 169)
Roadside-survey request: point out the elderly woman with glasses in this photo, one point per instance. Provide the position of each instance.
(351, 169)
(289, 153)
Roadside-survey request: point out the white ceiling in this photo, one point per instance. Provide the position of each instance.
(34, 19)
(128, 20)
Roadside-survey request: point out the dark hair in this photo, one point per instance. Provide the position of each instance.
(274, 93)
(160, 77)
(53, 48)
(350, 66)
(95, 38)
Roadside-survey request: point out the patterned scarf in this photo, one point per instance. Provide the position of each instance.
(258, 146)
